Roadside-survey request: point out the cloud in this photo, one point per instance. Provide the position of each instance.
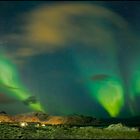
(100, 77)
(6, 100)
(49, 28)
(57, 25)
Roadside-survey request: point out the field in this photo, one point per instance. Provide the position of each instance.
(14, 131)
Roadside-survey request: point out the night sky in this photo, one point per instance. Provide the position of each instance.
(72, 57)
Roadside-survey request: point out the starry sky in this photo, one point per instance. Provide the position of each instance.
(74, 57)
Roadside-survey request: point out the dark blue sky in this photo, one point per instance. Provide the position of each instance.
(57, 54)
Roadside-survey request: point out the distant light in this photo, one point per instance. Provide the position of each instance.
(23, 124)
(37, 125)
(43, 125)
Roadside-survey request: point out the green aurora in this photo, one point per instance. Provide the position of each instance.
(61, 43)
(10, 83)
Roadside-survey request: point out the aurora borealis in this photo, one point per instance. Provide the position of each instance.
(74, 57)
(10, 82)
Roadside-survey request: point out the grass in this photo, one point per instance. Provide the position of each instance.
(63, 132)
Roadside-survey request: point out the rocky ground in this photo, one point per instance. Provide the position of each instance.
(43, 126)
(117, 131)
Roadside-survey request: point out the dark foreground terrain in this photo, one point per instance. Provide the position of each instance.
(15, 131)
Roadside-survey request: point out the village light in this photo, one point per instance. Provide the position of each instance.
(23, 124)
(43, 125)
(37, 125)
